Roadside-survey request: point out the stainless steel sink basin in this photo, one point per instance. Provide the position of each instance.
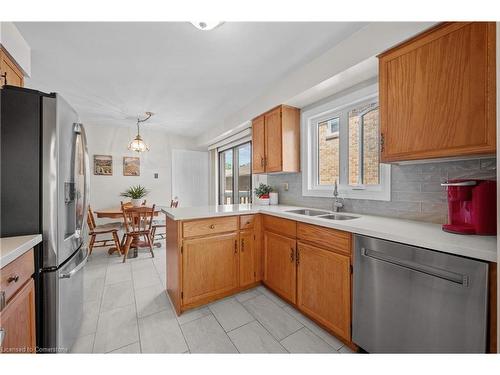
(308, 212)
(338, 217)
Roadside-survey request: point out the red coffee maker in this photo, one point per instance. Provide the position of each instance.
(472, 207)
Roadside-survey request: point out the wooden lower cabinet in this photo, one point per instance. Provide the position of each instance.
(324, 287)
(209, 267)
(247, 258)
(279, 264)
(17, 321)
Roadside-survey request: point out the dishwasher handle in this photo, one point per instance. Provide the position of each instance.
(417, 267)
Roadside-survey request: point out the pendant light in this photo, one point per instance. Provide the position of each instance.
(138, 144)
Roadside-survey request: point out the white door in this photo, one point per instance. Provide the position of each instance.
(190, 177)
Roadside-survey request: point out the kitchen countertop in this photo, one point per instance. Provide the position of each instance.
(12, 248)
(416, 233)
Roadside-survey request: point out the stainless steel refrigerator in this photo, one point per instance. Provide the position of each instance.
(44, 189)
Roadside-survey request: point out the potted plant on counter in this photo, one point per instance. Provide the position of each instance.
(262, 193)
(135, 193)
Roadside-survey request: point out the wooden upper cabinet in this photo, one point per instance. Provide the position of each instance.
(209, 267)
(279, 265)
(276, 141)
(438, 94)
(324, 288)
(10, 74)
(258, 144)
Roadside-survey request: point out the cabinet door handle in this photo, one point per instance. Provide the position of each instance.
(2, 335)
(297, 256)
(261, 161)
(4, 76)
(242, 245)
(292, 252)
(236, 246)
(14, 279)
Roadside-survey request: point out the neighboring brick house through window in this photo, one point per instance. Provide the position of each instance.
(342, 144)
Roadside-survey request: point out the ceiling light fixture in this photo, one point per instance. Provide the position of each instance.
(206, 25)
(137, 144)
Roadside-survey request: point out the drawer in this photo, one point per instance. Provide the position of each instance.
(15, 274)
(209, 226)
(246, 221)
(327, 238)
(281, 226)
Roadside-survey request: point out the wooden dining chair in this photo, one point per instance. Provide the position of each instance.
(137, 222)
(161, 223)
(100, 230)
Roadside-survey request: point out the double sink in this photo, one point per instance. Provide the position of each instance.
(322, 214)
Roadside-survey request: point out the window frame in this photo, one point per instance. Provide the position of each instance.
(235, 170)
(310, 118)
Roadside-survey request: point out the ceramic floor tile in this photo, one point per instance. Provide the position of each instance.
(152, 299)
(142, 263)
(89, 318)
(253, 338)
(205, 335)
(83, 344)
(304, 341)
(117, 295)
(273, 297)
(161, 333)
(95, 271)
(190, 315)
(314, 328)
(145, 277)
(116, 328)
(247, 294)
(134, 348)
(92, 288)
(276, 320)
(230, 313)
(345, 350)
(118, 273)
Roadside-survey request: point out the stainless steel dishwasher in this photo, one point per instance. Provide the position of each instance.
(412, 300)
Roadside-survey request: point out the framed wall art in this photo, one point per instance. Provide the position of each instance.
(103, 165)
(131, 166)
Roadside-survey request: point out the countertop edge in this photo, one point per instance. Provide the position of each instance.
(14, 253)
(424, 242)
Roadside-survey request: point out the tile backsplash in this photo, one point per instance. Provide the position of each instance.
(416, 192)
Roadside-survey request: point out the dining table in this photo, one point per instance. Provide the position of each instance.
(116, 213)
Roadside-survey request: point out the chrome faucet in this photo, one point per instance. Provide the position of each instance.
(337, 204)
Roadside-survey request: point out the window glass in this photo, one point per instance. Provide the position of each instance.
(328, 151)
(244, 173)
(227, 180)
(235, 175)
(363, 141)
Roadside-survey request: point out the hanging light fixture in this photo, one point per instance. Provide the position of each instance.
(137, 144)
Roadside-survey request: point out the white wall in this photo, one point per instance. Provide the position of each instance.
(190, 177)
(113, 140)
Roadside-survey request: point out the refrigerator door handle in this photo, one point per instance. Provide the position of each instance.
(417, 267)
(80, 131)
(77, 268)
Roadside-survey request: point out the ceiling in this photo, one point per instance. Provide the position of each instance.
(190, 79)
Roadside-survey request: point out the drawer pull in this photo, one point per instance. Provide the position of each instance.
(13, 279)
(212, 226)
